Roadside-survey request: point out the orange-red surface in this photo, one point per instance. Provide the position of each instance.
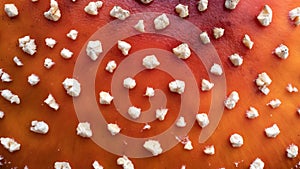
(62, 143)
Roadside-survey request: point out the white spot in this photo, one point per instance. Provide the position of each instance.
(10, 144)
(17, 61)
(72, 86)
(53, 14)
(282, 51)
(216, 69)
(204, 38)
(39, 127)
(92, 7)
(236, 59)
(177, 86)
(84, 130)
(113, 129)
(27, 45)
(111, 66)
(119, 13)
(265, 16)
(274, 103)
(252, 113)
(161, 22)
(66, 53)
(140, 26)
(105, 98)
(153, 146)
(182, 10)
(11, 10)
(202, 119)
(94, 49)
(218, 32)
(50, 101)
(48, 63)
(134, 112)
(150, 62)
(236, 140)
(72, 34)
(272, 131)
(50, 42)
(160, 114)
(182, 51)
(33, 79)
(248, 42)
(202, 5)
(124, 47)
(231, 101)
(129, 83)
(209, 150)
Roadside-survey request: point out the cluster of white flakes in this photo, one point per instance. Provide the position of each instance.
(247, 41)
(202, 119)
(1, 114)
(11, 10)
(124, 47)
(72, 34)
(265, 16)
(39, 127)
(111, 66)
(27, 45)
(62, 165)
(48, 63)
(153, 146)
(188, 145)
(5, 77)
(181, 122)
(11, 97)
(231, 101)
(294, 15)
(51, 102)
(150, 62)
(149, 92)
(72, 86)
(274, 103)
(236, 140)
(84, 129)
(182, 51)
(92, 7)
(105, 98)
(216, 69)
(94, 49)
(119, 13)
(206, 85)
(282, 51)
(252, 113)
(292, 151)
(66, 53)
(272, 131)
(160, 114)
(182, 10)
(114, 129)
(257, 164)
(290, 88)
(209, 150)
(53, 14)
(17, 61)
(140, 26)
(129, 83)
(202, 5)
(218, 32)
(236, 59)
(96, 165)
(50, 42)
(231, 4)
(204, 38)
(33, 79)
(125, 162)
(161, 22)
(177, 86)
(262, 82)
(134, 112)
(10, 144)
